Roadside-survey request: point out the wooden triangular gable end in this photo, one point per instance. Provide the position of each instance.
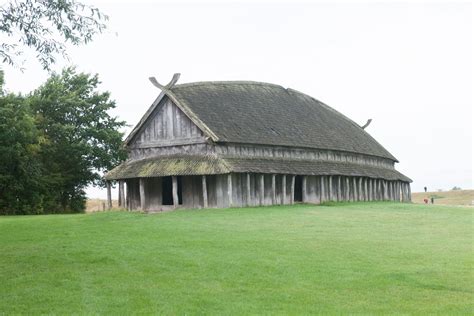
(168, 123)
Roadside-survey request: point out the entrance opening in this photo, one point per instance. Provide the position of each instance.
(298, 197)
(167, 190)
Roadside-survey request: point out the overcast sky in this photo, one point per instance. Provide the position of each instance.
(407, 66)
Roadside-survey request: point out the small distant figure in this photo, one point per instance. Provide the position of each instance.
(426, 189)
(425, 200)
(432, 200)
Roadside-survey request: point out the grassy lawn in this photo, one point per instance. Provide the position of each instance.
(358, 258)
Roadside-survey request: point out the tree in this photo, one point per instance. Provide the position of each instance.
(81, 138)
(46, 26)
(20, 171)
(55, 142)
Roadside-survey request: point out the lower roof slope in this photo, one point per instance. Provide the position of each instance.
(209, 165)
(261, 113)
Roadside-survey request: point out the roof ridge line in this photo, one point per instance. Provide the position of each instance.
(221, 82)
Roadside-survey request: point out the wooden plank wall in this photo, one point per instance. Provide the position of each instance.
(318, 189)
(167, 126)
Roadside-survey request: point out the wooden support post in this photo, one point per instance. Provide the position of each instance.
(330, 190)
(366, 190)
(229, 189)
(142, 193)
(204, 192)
(409, 191)
(109, 195)
(304, 189)
(348, 189)
(322, 190)
(249, 197)
(339, 189)
(262, 189)
(370, 189)
(120, 188)
(292, 197)
(274, 197)
(174, 183)
(283, 189)
(127, 197)
(361, 193)
(122, 191)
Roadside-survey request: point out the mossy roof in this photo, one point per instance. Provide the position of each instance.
(262, 113)
(208, 165)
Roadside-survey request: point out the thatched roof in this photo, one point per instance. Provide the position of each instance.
(262, 113)
(208, 165)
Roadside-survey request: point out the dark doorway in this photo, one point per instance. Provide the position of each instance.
(167, 190)
(298, 197)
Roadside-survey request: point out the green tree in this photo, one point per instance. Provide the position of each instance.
(46, 26)
(81, 138)
(21, 187)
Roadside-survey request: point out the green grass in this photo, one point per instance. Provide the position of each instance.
(347, 258)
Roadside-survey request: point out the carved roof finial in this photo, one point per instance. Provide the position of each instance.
(367, 124)
(169, 85)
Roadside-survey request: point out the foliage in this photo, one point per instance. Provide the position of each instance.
(55, 142)
(47, 26)
(455, 188)
(20, 171)
(359, 258)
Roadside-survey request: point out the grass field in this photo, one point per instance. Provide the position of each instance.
(457, 197)
(353, 258)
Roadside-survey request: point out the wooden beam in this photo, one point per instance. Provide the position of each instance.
(283, 189)
(274, 190)
(204, 191)
(322, 190)
(348, 189)
(339, 189)
(330, 189)
(120, 193)
(174, 183)
(292, 196)
(366, 190)
(262, 189)
(249, 197)
(304, 189)
(127, 197)
(109, 195)
(361, 192)
(142, 193)
(229, 189)
(409, 191)
(354, 189)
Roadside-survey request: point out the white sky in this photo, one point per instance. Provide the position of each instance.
(407, 66)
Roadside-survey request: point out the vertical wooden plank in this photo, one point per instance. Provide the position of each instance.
(355, 196)
(229, 189)
(304, 189)
(262, 189)
(249, 198)
(120, 191)
(409, 191)
(283, 189)
(109, 195)
(361, 193)
(348, 189)
(339, 189)
(274, 201)
(127, 196)
(174, 184)
(330, 189)
(370, 189)
(366, 190)
(322, 191)
(292, 196)
(142, 194)
(204, 191)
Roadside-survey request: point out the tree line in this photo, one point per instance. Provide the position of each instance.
(54, 142)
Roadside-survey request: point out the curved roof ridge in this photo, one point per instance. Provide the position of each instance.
(223, 82)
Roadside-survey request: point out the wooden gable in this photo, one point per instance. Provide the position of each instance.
(167, 126)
